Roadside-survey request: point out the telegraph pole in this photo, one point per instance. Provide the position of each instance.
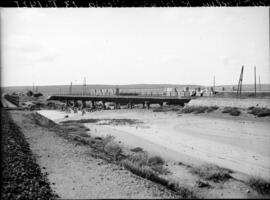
(239, 88)
(260, 83)
(214, 84)
(255, 81)
(70, 87)
(84, 85)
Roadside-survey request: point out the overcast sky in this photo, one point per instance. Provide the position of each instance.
(134, 45)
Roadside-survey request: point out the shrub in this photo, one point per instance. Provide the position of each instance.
(211, 108)
(235, 113)
(212, 172)
(38, 94)
(200, 109)
(113, 149)
(260, 112)
(141, 158)
(264, 113)
(251, 108)
(107, 139)
(259, 185)
(175, 109)
(226, 110)
(160, 169)
(232, 111)
(187, 109)
(137, 149)
(155, 160)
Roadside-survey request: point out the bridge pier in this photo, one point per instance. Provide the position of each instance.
(117, 106)
(93, 104)
(103, 105)
(76, 103)
(143, 105)
(83, 104)
(148, 105)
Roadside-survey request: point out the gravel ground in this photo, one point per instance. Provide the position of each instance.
(21, 175)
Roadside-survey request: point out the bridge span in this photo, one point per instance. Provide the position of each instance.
(122, 100)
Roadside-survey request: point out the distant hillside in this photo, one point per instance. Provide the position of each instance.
(248, 87)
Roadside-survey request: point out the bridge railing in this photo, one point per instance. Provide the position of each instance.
(119, 95)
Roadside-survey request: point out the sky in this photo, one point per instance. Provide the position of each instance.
(117, 46)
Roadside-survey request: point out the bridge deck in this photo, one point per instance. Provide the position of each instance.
(122, 99)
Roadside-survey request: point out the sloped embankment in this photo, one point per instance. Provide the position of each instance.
(21, 175)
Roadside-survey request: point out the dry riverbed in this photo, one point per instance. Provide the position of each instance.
(191, 146)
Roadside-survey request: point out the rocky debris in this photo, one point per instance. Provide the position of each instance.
(21, 175)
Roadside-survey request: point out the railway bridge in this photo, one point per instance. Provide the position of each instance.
(146, 101)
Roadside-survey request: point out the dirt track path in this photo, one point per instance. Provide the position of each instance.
(73, 173)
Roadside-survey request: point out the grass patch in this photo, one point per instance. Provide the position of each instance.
(188, 109)
(167, 109)
(259, 112)
(259, 185)
(148, 173)
(198, 109)
(212, 108)
(234, 111)
(212, 173)
(81, 121)
(84, 135)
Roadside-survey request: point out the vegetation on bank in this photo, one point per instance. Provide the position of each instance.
(233, 111)
(138, 161)
(186, 109)
(135, 160)
(259, 112)
(212, 173)
(105, 121)
(260, 185)
(21, 175)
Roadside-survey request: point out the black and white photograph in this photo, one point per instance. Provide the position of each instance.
(135, 103)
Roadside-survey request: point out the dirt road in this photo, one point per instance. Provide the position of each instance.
(73, 173)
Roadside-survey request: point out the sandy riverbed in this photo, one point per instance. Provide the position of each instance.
(235, 143)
